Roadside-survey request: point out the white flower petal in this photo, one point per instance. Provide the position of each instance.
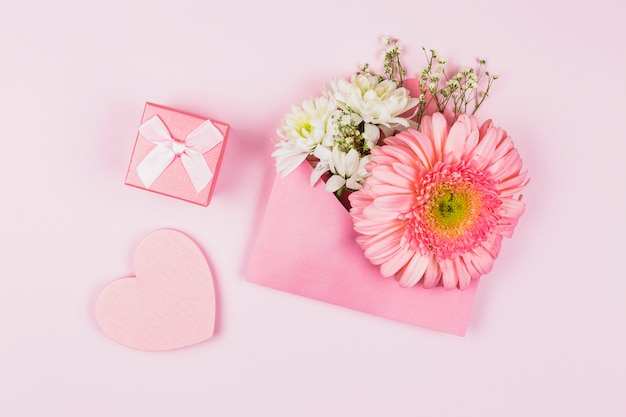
(371, 133)
(322, 153)
(337, 162)
(316, 174)
(334, 183)
(288, 157)
(374, 101)
(351, 163)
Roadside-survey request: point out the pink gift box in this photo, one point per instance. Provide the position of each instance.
(306, 246)
(175, 180)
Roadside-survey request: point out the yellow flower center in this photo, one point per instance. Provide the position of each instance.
(306, 127)
(455, 211)
(452, 210)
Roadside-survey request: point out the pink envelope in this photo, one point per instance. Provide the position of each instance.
(175, 180)
(306, 246)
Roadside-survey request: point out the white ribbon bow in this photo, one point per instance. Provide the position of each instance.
(205, 137)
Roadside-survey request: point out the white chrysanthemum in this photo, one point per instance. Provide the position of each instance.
(302, 131)
(348, 168)
(379, 102)
(308, 124)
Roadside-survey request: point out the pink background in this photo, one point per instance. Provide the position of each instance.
(548, 332)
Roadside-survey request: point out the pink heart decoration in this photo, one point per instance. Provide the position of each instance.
(170, 304)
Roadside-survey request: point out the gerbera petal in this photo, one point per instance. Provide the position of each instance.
(388, 175)
(439, 132)
(513, 185)
(455, 142)
(382, 158)
(484, 150)
(512, 208)
(407, 171)
(387, 189)
(503, 144)
(374, 213)
(393, 231)
(467, 261)
(426, 127)
(360, 200)
(382, 248)
(493, 245)
(371, 227)
(509, 165)
(485, 126)
(413, 271)
(470, 144)
(399, 153)
(419, 144)
(463, 274)
(399, 203)
(448, 273)
(432, 275)
(397, 261)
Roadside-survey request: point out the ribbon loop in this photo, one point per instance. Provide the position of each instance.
(202, 139)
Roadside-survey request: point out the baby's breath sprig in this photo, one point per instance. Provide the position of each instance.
(481, 96)
(349, 133)
(462, 89)
(391, 60)
(365, 69)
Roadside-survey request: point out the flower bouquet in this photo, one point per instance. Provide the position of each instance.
(430, 192)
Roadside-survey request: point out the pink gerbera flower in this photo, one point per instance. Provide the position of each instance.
(439, 201)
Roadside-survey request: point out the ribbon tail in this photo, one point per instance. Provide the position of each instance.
(204, 137)
(198, 170)
(153, 165)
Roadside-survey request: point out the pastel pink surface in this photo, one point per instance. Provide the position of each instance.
(306, 246)
(546, 334)
(174, 181)
(170, 304)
